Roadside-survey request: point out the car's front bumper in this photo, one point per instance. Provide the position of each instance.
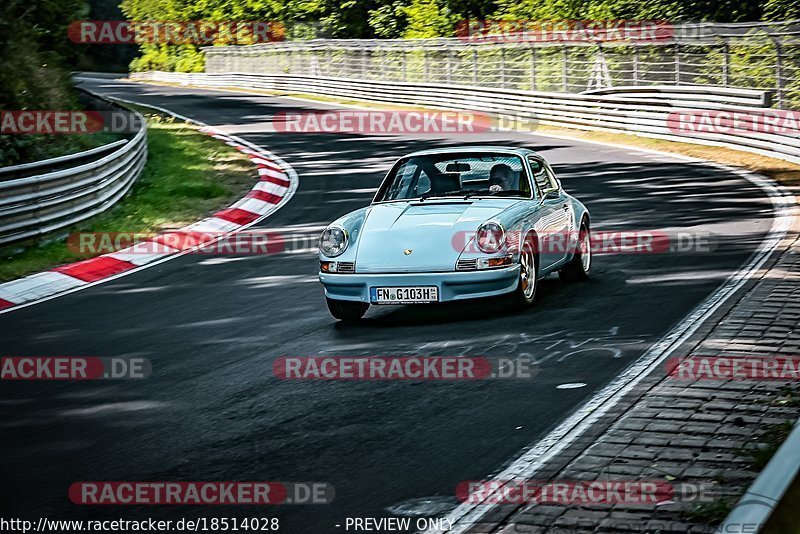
(455, 285)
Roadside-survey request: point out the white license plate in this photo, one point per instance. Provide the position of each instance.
(404, 295)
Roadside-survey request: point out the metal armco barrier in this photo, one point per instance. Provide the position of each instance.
(637, 114)
(45, 196)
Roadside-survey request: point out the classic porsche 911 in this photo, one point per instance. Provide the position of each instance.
(452, 224)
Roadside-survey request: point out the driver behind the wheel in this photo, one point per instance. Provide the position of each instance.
(500, 178)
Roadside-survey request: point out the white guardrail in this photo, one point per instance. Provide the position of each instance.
(636, 114)
(49, 195)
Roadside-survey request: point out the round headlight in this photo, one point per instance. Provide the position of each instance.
(491, 237)
(333, 241)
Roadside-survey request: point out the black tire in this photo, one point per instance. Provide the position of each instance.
(525, 295)
(345, 310)
(577, 269)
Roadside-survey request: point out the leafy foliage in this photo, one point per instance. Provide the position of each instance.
(33, 68)
(420, 18)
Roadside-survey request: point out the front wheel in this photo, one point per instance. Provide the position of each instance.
(345, 310)
(578, 267)
(525, 294)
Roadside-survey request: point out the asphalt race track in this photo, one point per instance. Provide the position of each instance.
(213, 325)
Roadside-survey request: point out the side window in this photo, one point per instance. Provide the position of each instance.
(553, 181)
(543, 176)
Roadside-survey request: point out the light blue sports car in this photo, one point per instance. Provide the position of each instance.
(452, 224)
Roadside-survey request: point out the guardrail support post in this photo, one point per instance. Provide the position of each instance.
(677, 64)
(564, 68)
(636, 64)
(533, 68)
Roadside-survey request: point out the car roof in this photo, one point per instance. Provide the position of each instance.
(475, 148)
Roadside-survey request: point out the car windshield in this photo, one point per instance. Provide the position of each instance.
(453, 175)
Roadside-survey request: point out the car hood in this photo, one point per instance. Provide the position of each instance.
(433, 231)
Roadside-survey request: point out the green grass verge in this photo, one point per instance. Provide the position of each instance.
(188, 175)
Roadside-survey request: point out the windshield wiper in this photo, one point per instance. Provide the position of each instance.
(507, 193)
(456, 192)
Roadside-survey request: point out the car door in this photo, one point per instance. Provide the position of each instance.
(553, 224)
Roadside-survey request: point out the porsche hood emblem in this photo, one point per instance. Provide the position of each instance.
(407, 251)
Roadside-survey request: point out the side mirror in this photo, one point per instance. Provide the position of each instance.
(551, 195)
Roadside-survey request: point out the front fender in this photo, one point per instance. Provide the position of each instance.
(352, 223)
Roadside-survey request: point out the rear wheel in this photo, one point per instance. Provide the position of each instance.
(578, 267)
(345, 310)
(525, 294)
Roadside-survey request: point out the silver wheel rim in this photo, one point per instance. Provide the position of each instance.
(586, 252)
(527, 273)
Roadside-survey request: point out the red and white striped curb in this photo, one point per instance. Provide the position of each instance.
(277, 183)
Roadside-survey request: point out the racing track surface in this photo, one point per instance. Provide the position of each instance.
(212, 327)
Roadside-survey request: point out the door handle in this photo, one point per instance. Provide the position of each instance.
(566, 207)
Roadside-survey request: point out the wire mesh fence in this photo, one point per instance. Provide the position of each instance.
(764, 56)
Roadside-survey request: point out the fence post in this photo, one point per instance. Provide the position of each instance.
(533, 67)
(725, 65)
(364, 63)
(636, 64)
(328, 58)
(405, 69)
(474, 66)
(677, 64)
(425, 64)
(564, 68)
(503, 67)
(779, 72)
(448, 65)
